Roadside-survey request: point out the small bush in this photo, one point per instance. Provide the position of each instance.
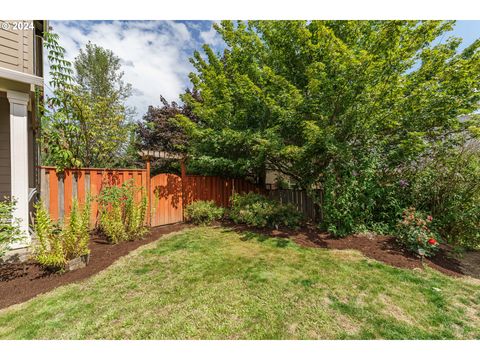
(256, 210)
(9, 227)
(76, 234)
(56, 244)
(203, 212)
(414, 234)
(121, 217)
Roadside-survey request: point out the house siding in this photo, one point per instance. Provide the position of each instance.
(16, 49)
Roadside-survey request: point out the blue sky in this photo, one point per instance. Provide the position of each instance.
(155, 54)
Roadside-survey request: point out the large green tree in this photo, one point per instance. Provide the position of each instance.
(85, 122)
(341, 105)
(98, 71)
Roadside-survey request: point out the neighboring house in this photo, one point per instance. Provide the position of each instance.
(21, 70)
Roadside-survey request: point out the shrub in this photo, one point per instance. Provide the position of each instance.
(76, 234)
(448, 186)
(414, 234)
(135, 212)
(56, 244)
(358, 197)
(363, 193)
(111, 219)
(9, 227)
(203, 212)
(122, 218)
(256, 210)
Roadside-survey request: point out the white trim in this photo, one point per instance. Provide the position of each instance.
(20, 77)
(19, 159)
(17, 97)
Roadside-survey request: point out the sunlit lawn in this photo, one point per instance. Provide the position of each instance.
(212, 283)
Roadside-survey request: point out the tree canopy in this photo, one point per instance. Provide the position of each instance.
(160, 130)
(85, 120)
(299, 96)
(345, 106)
(98, 72)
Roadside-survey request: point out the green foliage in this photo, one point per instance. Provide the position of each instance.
(203, 212)
(447, 184)
(48, 246)
(160, 129)
(9, 226)
(84, 121)
(98, 72)
(76, 234)
(414, 233)
(349, 196)
(55, 243)
(122, 217)
(346, 106)
(256, 210)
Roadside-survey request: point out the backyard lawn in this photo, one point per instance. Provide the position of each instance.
(215, 283)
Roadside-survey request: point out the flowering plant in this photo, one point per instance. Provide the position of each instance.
(414, 233)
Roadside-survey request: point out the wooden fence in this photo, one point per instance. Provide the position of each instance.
(300, 199)
(57, 190)
(167, 195)
(216, 188)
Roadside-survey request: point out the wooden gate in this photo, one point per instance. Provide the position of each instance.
(166, 199)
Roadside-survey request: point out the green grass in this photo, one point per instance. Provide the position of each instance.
(212, 283)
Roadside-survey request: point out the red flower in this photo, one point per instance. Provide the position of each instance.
(430, 218)
(432, 241)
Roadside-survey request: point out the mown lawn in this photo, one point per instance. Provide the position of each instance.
(212, 283)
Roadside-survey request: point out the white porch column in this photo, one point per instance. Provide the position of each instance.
(19, 158)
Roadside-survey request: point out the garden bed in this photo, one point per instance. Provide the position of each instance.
(381, 248)
(22, 281)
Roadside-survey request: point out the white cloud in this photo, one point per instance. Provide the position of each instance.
(211, 37)
(154, 54)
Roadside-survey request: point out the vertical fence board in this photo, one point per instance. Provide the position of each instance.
(94, 193)
(53, 183)
(44, 189)
(75, 185)
(61, 196)
(81, 187)
(68, 193)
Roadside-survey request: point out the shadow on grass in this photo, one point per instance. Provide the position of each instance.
(381, 248)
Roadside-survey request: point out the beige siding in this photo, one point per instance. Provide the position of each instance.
(4, 148)
(16, 49)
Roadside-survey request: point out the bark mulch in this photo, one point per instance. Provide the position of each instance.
(381, 248)
(20, 282)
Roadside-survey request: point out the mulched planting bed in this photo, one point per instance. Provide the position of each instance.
(22, 281)
(381, 248)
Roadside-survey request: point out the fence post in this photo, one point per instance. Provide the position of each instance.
(184, 184)
(149, 195)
